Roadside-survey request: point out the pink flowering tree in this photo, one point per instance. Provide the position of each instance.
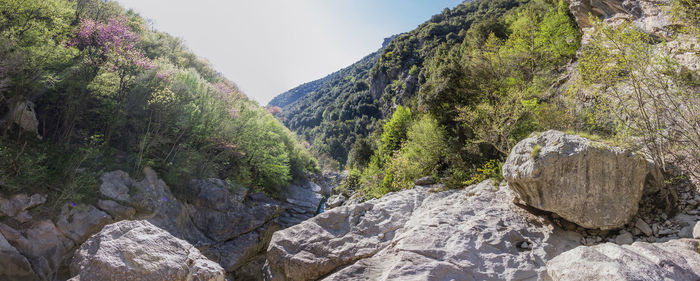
(111, 46)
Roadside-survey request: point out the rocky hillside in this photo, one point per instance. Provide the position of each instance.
(520, 229)
(220, 230)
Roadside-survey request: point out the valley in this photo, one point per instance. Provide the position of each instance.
(499, 140)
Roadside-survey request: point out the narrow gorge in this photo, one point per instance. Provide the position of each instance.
(499, 140)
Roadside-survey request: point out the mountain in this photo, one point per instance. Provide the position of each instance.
(336, 111)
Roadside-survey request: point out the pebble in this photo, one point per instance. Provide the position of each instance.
(643, 227)
(636, 231)
(693, 203)
(625, 238)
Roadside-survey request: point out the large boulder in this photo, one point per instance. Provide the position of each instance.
(673, 260)
(586, 182)
(420, 235)
(138, 250)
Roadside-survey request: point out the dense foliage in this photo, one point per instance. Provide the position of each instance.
(337, 112)
(349, 105)
(453, 96)
(518, 68)
(86, 86)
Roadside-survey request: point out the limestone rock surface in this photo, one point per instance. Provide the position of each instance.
(138, 250)
(420, 235)
(673, 260)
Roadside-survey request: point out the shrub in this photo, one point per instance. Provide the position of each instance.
(652, 99)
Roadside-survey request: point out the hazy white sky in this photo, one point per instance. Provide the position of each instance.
(270, 46)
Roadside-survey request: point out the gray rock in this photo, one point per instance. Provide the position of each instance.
(13, 265)
(585, 182)
(16, 207)
(235, 253)
(335, 201)
(419, 235)
(138, 250)
(644, 227)
(115, 185)
(696, 231)
(81, 221)
(428, 180)
(645, 14)
(625, 238)
(673, 260)
(238, 219)
(116, 210)
(217, 194)
(686, 232)
(154, 201)
(42, 244)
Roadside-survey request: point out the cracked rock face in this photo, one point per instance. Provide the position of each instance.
(647, 15)
(585, 182)
(138, 250)
(420, 235)
(673, 260)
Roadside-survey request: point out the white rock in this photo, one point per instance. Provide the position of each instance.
(419, 235)
(585, 182)
(696, 231)
(673, 260)
(138, 250)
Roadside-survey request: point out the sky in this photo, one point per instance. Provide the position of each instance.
(270, 46)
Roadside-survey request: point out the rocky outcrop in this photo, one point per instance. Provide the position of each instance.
(673, 260)
(81, 221)
(227, 223)
(302, 202)
(648, 15)
(17, 206)
(420, 235)
(586, 182)
(138, 250)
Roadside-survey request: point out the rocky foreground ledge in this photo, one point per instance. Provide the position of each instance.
(481, 233)
(143, 232)
(472, 234)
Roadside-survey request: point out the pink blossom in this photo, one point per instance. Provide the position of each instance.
(112, 42)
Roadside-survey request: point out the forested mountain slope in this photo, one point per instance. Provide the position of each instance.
(86, 86)
(451, 98)
(347, 105)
